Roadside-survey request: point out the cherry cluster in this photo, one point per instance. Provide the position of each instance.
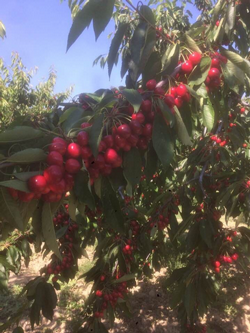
(110, 297)
(56, 266)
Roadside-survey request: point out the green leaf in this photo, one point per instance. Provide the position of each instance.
(81, 21)
(66, 114)
(181, 129)
(208, 115)
(152, 68)
(237, 60)
(115, 45)
(49, 231)
(111, 207)
(170, 59)
(102, 15)
(147, 13)
(13, 257)
(133, 97)
(151, 162)
(132, 164)
(82, 189)
(162, 141)
(61, 232)
(231, 14)
(30, 155)
(191, 43)
(125, 278)
(16, 184)
(98, 186)
(3, 278)
(148, 49)
(183, 226)
(27, 211)
(199, 74)
(24, 176)
(136, 46)
(95, 134)
(74, 120)
(206, 233)
(18, 330)
(111, 315)
(9, 209)
(19, 134)
(167, 114)
(190, 298)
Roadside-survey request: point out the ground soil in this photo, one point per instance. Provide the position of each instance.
(149, 304)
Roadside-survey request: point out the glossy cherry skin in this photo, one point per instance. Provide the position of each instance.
(72, 166)
(83, 138)
(54, 158)
(37, 184)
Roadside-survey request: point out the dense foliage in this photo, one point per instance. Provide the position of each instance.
(164, 160)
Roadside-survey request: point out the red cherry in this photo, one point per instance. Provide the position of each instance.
(83, 138)
(187, 67)
(119, 141)
(186, 97)
(146, 106)
(207, 81)
(37, 184)
(142, 143)
(85, 125)
(195, 58)
(159, 91)
(242, 110)
(25, 197)
(118, 162)
(50, 270)
(235, 256)
(100, 161)
(69, 179)
(59, 146)
(59, 187)
(72, 166)
(136, 127)
(173, 91)
(151, 84)
(129, 110)
(102, 146)
(86, 152)
(110, 156)
(94, 173)
(97, 314)
(133, 140)
(74, 150)
(107, 169)
(215, 62)
(54, 158)
(181, 90)
(53, 174)
(108, 139)
(127, 147)
(13, 192)
(214, 73)
(215, 83)
(217, 269)
(139, 117)
(178, 102)
(58, 139)
(217, 264)
(169, 100)
(217, 23)
(124, 131)
(150, 117)
(147, 130)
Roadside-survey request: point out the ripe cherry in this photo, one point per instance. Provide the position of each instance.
(217, 269)
(100, 161)
(98, 293)
(86, 152)
(142, 143)
(186, 97)
(37, 184)
(173, 91)
(13, 192)
(215, 62)
(146, 106)
(102, 146)
(118, 162)
(83, 138)
(178, 102)
(85, 125)
(133, 140)
(110, 156)
(53, 174)
(187, 67)
(242, 110)
(214, 73)
(74, 150)
(59, 187)
(59, 146)
(55, 158)
(147, 130)
(181, 90)
(25, 197)
(235, 256)
(217, 263)
(72, 166)
(159, 91)
(119, 141)
(107, 169)
(136, 127)
(195, 58)
(108, 139)
(124, 131)
(151, 84)
(169, 100)
(139, 117)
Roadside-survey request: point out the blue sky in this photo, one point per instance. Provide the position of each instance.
(38, 30)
